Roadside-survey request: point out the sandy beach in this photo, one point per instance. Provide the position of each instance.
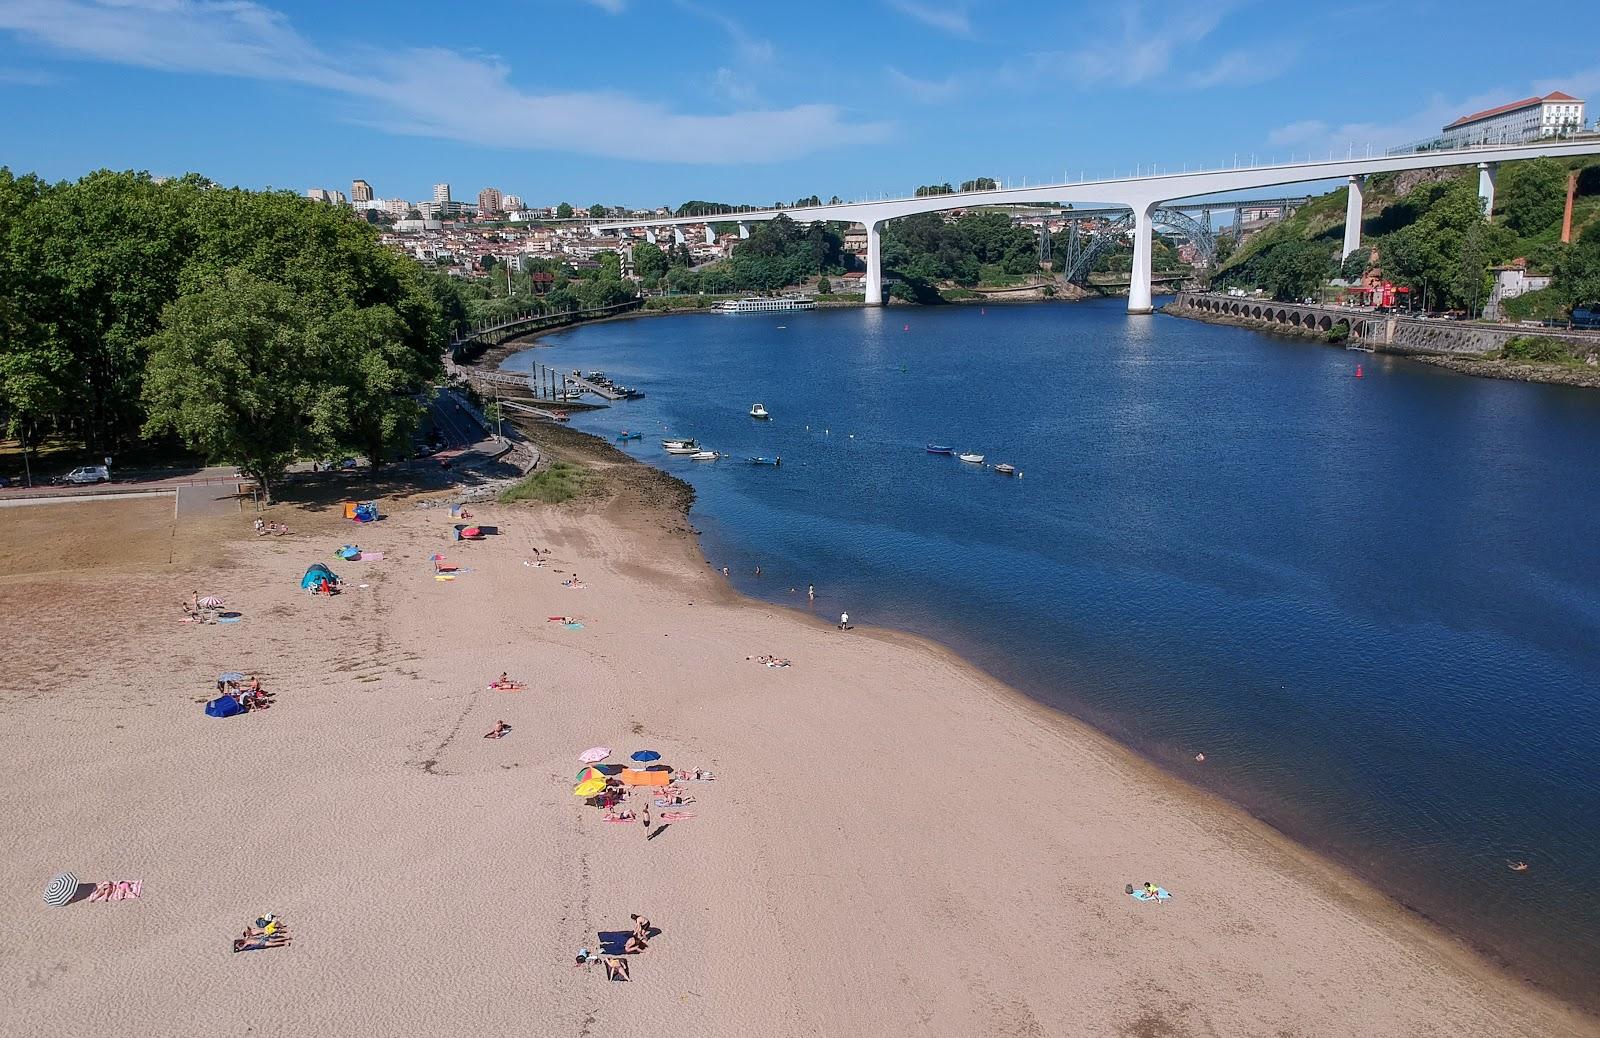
(895, 843)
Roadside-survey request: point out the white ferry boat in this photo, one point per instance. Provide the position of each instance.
(759, 304)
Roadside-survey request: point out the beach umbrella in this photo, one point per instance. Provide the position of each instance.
(62, 889)
(210, 602)
(646, 756)
(594, 755)
(591, 773)
(231, 675)
(589, 788)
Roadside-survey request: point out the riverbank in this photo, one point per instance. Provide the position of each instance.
(1481, 366)
(886, 824)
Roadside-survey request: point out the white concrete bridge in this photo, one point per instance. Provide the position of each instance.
(1142, 195)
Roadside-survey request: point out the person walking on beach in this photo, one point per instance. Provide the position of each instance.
(844, 621)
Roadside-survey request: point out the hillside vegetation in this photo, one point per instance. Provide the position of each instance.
(1424, 230)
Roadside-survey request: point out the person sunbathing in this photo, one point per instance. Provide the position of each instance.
(616, 967)
(242, 944)
(500, 729)
(634, 945)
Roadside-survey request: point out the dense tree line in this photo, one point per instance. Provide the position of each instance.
(927, 248)
(257, 326)
(779, 252)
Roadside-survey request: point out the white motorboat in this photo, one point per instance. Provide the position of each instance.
(759, 411)
(1006, 470)
(686, 449)
(669, 444)
(971, 459)
(704, 456)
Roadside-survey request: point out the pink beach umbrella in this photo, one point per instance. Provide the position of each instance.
(594, 755)
(210, 602)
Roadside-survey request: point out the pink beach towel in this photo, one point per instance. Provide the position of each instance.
(370, 556)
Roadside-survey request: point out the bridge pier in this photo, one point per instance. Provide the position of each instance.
(650, 235)
(1486, 175)
(1139, 277)
(1352, 218)
(744, 229)
(677, 235)
(874, 283)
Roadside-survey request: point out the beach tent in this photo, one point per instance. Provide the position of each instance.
(348, 552)
(366, 512)
(223, 706)
(316, 574)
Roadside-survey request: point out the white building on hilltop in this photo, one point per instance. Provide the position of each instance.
(1532, 118)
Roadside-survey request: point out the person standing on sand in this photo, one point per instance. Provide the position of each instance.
(645, 818)
(844, 620)
(811, 592)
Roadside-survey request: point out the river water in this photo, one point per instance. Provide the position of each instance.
(1372, 603)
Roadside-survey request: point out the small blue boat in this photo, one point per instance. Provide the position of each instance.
(766, 461)
(629, 436)
(934, 448)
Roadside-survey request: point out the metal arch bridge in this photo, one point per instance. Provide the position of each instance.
(1143, 195)
(1083, 250)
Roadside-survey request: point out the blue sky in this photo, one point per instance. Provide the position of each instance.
(646, 102)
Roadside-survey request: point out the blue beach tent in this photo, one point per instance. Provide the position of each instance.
(316, 574)
(223, 706)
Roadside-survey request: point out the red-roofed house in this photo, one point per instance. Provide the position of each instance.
(1553, 115)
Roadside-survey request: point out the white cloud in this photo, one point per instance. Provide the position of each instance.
(927, 91)
(1140, 46)
(1238, 68)
(433, 92)
(952, 19)
(733, 86)
(750, 49)
(1320, 137)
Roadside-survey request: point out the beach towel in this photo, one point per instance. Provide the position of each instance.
(370, 556)
(613, 941)
(633, 777)
(1161, 895)
(574, 626)
(444, 576)
(675, 816)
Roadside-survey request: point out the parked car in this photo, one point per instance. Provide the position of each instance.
(87, 474)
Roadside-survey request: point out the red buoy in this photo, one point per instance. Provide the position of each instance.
(1358, 372)
(907, 328)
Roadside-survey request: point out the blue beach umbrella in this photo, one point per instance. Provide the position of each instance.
(646, 756)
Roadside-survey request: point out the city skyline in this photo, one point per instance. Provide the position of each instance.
(685, 100)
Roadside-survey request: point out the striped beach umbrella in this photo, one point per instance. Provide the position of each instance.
(62, 889)
(211, 602)
(591, 773)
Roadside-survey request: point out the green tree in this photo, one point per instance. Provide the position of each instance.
(232, 373)
(648, 260)
(934, 189)
(597, 210)
(1577, 274)
(824, 287)
(980, 184)
(563, 211)
(1532, 196)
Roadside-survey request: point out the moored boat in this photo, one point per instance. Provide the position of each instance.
(625, 435)
(759, 411)
(1005, 469)
(669, 444)
(685, 449)
(766, 461)
(971, 459)
(704, 456)
(934, 448)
